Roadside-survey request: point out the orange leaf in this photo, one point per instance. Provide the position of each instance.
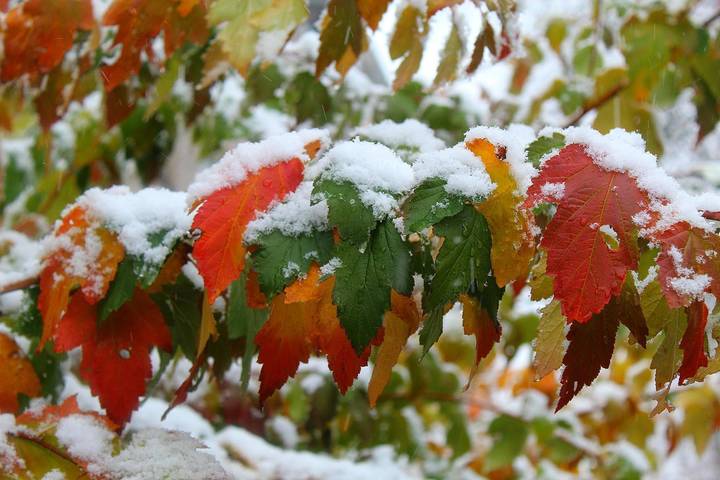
(588, 265)
(17, 375)
(304, 319)
(510, 223)
(76, 238)
(140, 21)
(399, 323)
(477, 321)
(224, 214)
(39, 32)
(51, 414)
(116, 355)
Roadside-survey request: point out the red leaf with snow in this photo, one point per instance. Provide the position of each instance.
(689, 263)
(587, 264)
(116, 354)
(693, 341)
(224, 215)
(590, 348)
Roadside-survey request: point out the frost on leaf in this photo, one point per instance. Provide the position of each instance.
(586, 271)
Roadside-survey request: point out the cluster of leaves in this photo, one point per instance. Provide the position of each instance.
(280, 301)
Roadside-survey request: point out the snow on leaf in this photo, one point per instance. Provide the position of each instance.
(139, 22)
(17, 375)
(585, 270)
(689, 263)
(590, 348)
(224, 215)
(38, 33)
(116, 355)
(510, 223)
(81, 254)
(401, 321)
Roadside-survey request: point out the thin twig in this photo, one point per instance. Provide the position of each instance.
(597, 102)
(18, 285)
(710, 20)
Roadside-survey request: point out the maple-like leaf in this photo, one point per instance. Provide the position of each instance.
(140, 21)
(401, 321)
(75, 237)
(590, 348)
(16, 377)
(115, 355)
(303, 319)
(38, 33)
(224, 215)
(689, 255)
(589, 242)
(510, 223)
(693, 341)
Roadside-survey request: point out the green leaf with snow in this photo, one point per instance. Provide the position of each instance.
(430, 203)
(280, 259)
(544, 145)
(346, 211)
(382, 265)
(463, 263)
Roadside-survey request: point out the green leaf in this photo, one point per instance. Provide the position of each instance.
(164, 85)
(15, 180)
(181, 304)
(509, 436)
(432, 328)
(346, 211)
(121, 289)
(308, 99)
(244, 322)
(544, 145)
(280, 259)
(262, 83)
(463, 263)
(383, 264)
(429, 203)
(457, 432)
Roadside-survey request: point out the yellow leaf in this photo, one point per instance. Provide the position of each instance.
(400, 322)
(513, 245)
(549, 349)
(541, 284)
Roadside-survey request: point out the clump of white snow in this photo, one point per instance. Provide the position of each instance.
(22, 259)
(249, 157)
(294, 216)
(463, 172)
(377, 172)
(515, 139)
(134, 217)
(407, 134)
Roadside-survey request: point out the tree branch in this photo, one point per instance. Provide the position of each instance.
(594, 103)
(18, 284)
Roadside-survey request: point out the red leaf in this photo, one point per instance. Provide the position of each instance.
(223, 216)
(140, 21)
(477, 322)
(115, 361)
(686, 253)
(591, 347)
(587, 269)
(39, 32)
(693, 341)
